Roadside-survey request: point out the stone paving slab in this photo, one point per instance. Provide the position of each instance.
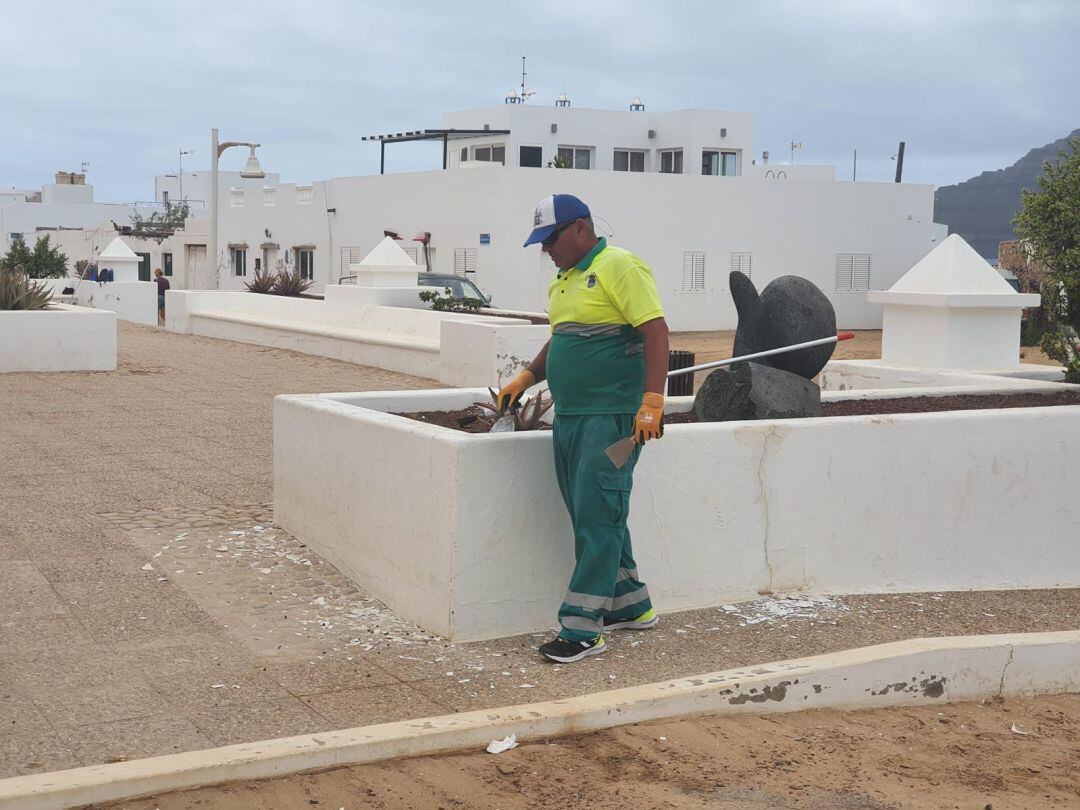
(148, 603)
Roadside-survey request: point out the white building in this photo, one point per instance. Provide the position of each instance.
(679, 188)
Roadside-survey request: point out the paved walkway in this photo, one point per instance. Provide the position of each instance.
(149, 605)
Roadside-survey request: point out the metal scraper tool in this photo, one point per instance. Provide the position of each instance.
(506, 423)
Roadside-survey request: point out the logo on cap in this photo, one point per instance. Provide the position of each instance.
(538, 217)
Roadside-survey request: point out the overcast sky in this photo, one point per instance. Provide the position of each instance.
(968, 84)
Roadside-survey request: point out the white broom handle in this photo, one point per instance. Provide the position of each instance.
(756, 355)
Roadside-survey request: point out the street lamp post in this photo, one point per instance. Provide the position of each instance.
(251, 170)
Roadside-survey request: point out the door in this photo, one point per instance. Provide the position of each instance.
(166, 263)
(195, 265)
(144, 266)
(270, 259)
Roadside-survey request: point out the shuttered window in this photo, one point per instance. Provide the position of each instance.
(465, 262)
(693, 271)
(852, 272)
(742, 263)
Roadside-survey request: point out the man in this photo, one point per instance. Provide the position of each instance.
(162, 286)
(606, 365)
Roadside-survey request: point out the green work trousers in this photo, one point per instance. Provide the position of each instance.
(597, 496)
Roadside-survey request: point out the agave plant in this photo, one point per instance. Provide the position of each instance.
(19, 292)
(290, 283)
(526, 417)
(262, 282)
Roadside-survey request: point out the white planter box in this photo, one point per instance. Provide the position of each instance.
(467, 534)
(61, 338)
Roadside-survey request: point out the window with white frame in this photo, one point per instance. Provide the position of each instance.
(236, 197)
(742, 262)
(671, 161)
(238, 260)
(304, 195)
(852, 272)
(269, 196)
(531, 156)
(492, 153)
(465, 262)
(693, 271)
(718, 163)
(305, 261)
(629, 160)
(576, 157)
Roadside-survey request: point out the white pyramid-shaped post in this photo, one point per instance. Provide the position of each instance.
(387, 265)
(119, 258)
(952, 310)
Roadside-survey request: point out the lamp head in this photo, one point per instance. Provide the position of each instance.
(251, 169)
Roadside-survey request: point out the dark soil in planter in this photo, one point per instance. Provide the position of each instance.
(468, 420)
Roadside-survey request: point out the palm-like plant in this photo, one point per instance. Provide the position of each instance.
(526, 417)
(290, 283)
(17, 292)
(262, 282)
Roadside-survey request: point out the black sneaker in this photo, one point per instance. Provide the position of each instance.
(566, 652)
(643, 622)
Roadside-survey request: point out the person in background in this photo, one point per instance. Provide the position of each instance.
(162, 286)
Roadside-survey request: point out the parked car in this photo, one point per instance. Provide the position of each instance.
(459, 287)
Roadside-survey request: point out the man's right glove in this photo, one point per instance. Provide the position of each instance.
(512, 391)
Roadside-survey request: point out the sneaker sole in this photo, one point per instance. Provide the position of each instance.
(632, 625)
(599, 648)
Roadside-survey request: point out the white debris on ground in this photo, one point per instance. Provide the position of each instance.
(785, 608)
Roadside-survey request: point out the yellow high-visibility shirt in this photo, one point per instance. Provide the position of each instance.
(609, 285)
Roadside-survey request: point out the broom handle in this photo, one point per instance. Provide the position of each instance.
(756, 355)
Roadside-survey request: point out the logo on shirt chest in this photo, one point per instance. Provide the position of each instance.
(591, 282)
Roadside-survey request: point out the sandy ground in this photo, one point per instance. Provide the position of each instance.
(995, 754)
(866, 345)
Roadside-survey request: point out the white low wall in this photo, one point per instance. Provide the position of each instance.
(880, 379)
(455, 348)
(61, 338)
(467, 534)
(131, 300)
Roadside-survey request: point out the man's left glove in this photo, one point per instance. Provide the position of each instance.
(649, 421)
(512, 391)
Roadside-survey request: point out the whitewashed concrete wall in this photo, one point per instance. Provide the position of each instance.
(134, 301)
(790, 227)
(61, 338)
(719, 512)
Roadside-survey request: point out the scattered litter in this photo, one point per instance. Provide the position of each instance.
(181, 536)
(663, 739)
(148, 567)
(265, 570)
(238, 533)
(527, 686)
(217, 686)
(782, 607)
(1017, 730)
(162, 579)
(505, 744)
(222, 548)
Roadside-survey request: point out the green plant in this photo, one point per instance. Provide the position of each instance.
(560, 162)
(526, 417)
(446, 302)
(1049, 224)
(44, 261)
(290, 284)
(160, 225)
(262, 282)
(80, 267)
(17, 292)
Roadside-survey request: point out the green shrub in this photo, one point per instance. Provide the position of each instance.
(445, 301)
(44, 261)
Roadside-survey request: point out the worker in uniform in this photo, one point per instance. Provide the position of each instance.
(606, 366)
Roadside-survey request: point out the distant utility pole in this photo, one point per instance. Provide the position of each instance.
(794, 146)
(854, 163)
(900, 162)
(525, 93)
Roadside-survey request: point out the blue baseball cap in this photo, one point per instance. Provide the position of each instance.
(553, 211)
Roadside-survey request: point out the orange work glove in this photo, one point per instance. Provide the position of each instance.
(510, 393)
(649, 421)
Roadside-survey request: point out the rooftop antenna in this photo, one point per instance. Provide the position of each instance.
(794, 146)
(83, 167)
(525, 92)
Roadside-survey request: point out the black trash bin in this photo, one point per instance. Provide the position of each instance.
(681, 385)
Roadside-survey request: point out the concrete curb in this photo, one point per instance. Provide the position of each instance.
(904, 673)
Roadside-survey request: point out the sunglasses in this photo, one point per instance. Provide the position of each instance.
(551, 240)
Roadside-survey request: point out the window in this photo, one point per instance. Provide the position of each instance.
(576, 157)
(258, 265)
(714, 162)
(269, 196)
(742, 263)
(417, 255)
(671, 161)
(465, 262)
(236, 197)
(852, 272)
(490, 154)
(165, 197)
(531, 156)
(166, 263)
(304, 195)
(629, 160)
(464, 153)
(305, 261)
(238, 260)
(693, 271)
